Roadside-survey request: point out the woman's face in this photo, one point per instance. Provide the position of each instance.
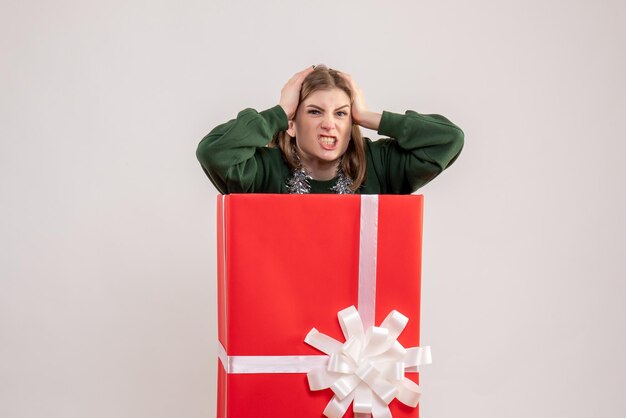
(322, 127)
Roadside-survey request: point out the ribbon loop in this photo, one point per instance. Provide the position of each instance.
(418, 356)
(352, 348)
(380, 410)
(377, 341)
(340, 364)
(409, 393)
(322, 342)
(337, 408)
(395, 323)
(350, 323)
(345, 385)
(321, 379)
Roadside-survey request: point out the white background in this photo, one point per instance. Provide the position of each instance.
(107, 257)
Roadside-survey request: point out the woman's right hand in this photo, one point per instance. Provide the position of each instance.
(290, 93)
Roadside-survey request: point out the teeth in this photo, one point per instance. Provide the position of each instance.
(327, 140)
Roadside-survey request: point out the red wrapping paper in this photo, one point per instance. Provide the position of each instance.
(288, 263)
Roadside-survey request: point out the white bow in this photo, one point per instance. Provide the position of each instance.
(368, 369)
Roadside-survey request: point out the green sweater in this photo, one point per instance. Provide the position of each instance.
(236, 159)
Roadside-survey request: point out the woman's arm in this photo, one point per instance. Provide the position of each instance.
(233, 154)
(422, 145)
(227, 153)
(418, 149)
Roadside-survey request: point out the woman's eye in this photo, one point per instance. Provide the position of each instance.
(314, 112)
(342, 113)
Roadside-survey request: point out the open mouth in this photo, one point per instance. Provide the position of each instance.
(328, 142)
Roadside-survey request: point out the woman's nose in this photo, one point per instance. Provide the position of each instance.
(328, 122)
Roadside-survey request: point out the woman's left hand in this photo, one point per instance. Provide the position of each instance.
(360, 113)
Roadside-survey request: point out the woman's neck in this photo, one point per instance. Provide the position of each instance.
(321, 170)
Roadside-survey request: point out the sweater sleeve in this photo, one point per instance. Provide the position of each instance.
(418, 149)
(229, 153)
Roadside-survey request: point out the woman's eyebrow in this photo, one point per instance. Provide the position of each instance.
(321, 108)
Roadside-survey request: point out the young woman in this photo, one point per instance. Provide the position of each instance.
(311, 143)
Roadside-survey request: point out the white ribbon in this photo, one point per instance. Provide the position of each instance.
(368, 369)
(269, 364)
(368, 248)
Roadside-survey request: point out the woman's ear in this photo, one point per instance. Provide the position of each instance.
(291, 130)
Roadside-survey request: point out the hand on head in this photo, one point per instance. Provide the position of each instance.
(290, 93)
(359, 108)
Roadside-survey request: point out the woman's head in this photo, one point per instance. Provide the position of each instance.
(324, 78)
(322, 130)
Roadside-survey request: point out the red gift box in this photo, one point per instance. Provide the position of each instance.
(288, 263)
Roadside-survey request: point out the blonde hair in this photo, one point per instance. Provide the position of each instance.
(353, 162)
